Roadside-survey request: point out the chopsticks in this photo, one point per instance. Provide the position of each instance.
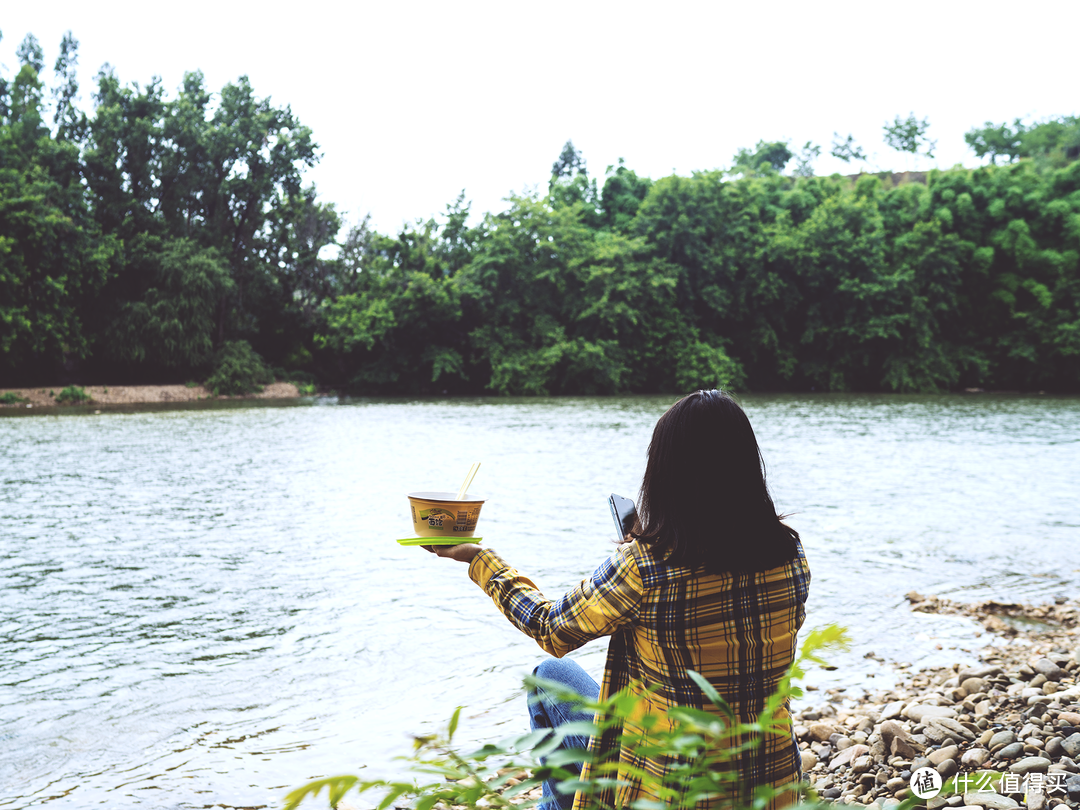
(469, 476)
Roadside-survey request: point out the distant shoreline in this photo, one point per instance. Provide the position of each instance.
(139, 394)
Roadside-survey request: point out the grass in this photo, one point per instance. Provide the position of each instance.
(72, 395)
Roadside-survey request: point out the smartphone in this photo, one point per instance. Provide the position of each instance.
(624, 512)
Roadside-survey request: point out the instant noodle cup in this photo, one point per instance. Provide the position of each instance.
(440, 514)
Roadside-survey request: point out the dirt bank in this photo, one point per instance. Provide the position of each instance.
(134, 394)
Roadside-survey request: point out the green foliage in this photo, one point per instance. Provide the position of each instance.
(178, 289)
(846, 150)
(53, 257)
(11, 398)
(238, 370)
(140, 238)
(1056, 140)
(804, 160)
(72, 395)
(621, 197)
(909, 135)
(698, 744)
(770, 155)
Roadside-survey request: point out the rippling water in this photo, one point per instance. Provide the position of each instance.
(205, 606)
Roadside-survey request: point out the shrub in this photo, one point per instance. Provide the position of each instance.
(11, 398)
(238, 370)
(72, 395)
(699, 743)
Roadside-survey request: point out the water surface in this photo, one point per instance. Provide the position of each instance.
(205, 606)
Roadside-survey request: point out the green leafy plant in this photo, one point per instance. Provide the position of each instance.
(11, 398)
(238, 370)
(72, 395)
(698, 744)
(191, 384)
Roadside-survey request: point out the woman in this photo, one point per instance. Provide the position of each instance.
(709, 580)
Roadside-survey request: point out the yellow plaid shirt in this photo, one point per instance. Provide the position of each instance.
(737, 630)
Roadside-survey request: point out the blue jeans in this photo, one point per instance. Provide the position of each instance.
(545, 711)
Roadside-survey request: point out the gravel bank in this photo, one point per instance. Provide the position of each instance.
(1009, 724)
(136, 394)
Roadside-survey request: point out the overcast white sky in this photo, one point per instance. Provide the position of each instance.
(411, 102)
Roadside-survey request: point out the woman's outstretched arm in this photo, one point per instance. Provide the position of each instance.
(597, 607)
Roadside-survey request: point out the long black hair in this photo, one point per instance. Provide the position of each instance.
(703, 499)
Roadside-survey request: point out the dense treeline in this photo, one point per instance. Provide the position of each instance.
(137, 242)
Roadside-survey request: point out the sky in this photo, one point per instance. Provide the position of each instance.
(413, 102)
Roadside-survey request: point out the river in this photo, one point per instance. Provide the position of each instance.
(205, 606)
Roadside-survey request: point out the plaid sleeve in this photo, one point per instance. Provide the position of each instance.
(597, 607)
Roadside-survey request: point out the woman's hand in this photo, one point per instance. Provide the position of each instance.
(462, 553)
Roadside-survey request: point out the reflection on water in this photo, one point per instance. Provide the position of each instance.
(204, 606)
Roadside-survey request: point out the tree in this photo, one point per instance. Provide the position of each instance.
(171, 323)
(30, 53)
(570, 184)
(846, 150)
(996, 141)
(53, 257)
(70, 122)
(621, 196)
(569, 163)
(909, 135)
(773, 154)
(805, 159)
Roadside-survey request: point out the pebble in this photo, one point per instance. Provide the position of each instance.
(972, 686)
(1000, 740)
(1071, 745)
(953, 727)
(895, 784)
(848, 755)
(948, 768)
(892, 710)
(942, 754)
(1072, 787)
(1044, 666)
(1018, 712)
(1010, 751)
(1030, 765)
(862, 764)
(820, 731)
(991, 800)
(984, 672)
(920, 711)
(974, 757)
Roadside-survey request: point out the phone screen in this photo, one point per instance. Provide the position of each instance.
(624, 512)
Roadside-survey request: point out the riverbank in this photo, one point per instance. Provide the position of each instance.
(139, 394)
(1007, 729)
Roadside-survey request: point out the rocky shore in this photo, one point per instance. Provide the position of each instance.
(1002, 734)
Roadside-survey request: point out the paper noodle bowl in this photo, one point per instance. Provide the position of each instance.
(439, 514)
